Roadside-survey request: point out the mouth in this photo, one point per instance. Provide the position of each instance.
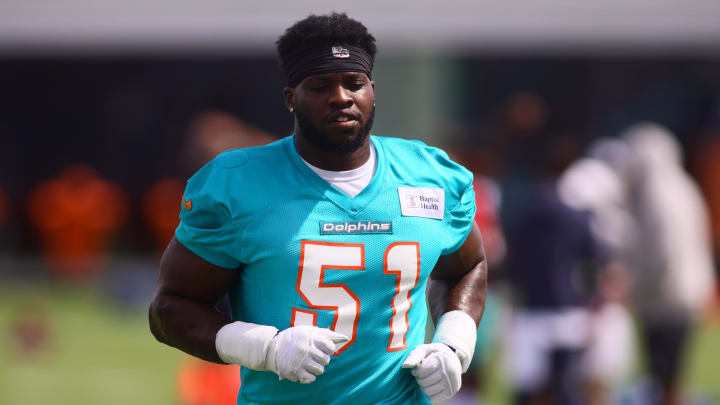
(344, 120)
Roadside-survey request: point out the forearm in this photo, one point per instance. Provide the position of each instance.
(457, 305)
(466, 293)
(186, 324)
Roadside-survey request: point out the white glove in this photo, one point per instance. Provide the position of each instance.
(301, 353)
(437, 370)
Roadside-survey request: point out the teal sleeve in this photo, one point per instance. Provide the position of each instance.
(459, 197)
(206, 226)
(460, 219)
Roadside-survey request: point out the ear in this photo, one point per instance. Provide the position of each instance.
(289, 95)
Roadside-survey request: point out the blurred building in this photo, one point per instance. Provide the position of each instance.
(592, 184)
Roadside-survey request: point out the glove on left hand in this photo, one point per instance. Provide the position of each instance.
(437, 370)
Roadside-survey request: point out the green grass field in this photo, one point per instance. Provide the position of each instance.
(97, 354)
(703, 372)
(100, 354)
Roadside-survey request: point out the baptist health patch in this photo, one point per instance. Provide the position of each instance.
(422, 202)
(355, 227)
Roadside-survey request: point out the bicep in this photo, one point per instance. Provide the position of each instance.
(460, 280)
(185, 274)
(463, 260)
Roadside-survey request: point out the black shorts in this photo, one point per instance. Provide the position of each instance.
(665, 344)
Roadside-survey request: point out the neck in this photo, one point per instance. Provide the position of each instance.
(326, 160)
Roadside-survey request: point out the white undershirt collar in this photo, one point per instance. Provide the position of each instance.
(351, 182)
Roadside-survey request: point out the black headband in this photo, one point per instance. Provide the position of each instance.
(320, 59)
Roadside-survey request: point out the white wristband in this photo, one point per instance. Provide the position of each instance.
(245, 344)
(457, 329)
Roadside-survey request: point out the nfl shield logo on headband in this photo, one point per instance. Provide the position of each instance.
(340, 52)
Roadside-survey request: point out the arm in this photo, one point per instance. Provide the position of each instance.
(457, 300)
(182, 312)
(183, 315)
(459, 280)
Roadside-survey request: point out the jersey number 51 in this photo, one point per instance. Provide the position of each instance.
(401, 259)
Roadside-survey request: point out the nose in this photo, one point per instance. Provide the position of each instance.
(340, 96)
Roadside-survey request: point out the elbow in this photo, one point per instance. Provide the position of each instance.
(155, 317)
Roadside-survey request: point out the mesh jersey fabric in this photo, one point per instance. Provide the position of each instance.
(261, 209)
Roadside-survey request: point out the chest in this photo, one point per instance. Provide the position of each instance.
(301, 231)
(319, 264)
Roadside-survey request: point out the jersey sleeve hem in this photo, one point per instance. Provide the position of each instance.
(220, 260)
(469, 218)
(457, 246)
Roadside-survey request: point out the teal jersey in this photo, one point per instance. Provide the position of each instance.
(311, 255)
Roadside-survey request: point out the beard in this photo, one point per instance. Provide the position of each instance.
(323, 141)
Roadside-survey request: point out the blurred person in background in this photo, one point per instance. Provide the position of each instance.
(520, 134)
(77, 214)
(551, 256)
(381, 214)
(592, 184)
(672, 258)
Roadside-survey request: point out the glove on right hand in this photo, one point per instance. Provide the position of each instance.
(301, 353)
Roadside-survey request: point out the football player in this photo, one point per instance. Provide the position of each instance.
(325, 241)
